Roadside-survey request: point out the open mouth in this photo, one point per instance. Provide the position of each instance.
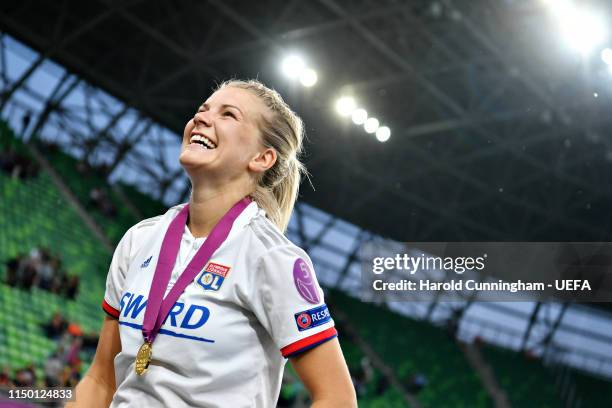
(203, 141)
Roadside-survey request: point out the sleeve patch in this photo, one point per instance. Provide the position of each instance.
(311, 318)
(305, 281)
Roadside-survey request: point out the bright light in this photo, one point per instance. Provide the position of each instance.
(293, 66)
(582, 29)
(383, 134)
(563, 9)
(371, 125)
(606, 56)
(308, 77)
(345, 105)
(359, 116)
(562, 3)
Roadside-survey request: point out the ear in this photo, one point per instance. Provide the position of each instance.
(263, 161)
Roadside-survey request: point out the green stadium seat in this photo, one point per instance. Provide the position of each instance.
(411, 347)
(65, 235)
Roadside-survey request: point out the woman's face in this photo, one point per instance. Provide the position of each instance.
(223, 136)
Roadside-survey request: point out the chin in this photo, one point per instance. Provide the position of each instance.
(193, 163)
(189, 160)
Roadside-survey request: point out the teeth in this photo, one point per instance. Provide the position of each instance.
(206, 141)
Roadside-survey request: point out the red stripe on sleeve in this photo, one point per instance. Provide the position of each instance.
(110, 310)
(309, 341)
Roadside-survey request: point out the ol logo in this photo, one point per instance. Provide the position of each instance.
(212, 276)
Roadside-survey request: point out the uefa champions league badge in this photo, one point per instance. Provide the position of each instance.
(212, 276)
(305, 282)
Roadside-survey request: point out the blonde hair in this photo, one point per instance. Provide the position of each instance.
(282, 130)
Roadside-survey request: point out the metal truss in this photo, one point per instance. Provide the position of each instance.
(477, 120)
(469, 108)
(103, 136)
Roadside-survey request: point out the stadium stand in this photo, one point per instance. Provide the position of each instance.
(25, 210)
(83, 181)
(412, 347)
(593, 391)
(373, 388)
(525, 376)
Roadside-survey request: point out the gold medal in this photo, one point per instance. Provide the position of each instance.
(143, 358)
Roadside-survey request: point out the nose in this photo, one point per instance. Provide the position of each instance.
(202, 118)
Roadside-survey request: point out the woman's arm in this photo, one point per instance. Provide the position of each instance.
(325, 374)
(96, 389)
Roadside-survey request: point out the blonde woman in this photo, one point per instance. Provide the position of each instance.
(207, 302)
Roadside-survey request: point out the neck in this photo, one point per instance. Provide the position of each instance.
(207, 206)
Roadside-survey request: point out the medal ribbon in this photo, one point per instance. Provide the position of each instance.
(158, 307)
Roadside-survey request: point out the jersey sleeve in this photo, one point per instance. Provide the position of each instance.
(116, 275)
(289, 302)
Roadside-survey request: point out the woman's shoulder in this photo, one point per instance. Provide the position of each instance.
(147, 225)
(268, 237)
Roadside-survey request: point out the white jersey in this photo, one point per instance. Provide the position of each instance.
(226, 339)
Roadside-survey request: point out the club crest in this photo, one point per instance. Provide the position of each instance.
(212, 276)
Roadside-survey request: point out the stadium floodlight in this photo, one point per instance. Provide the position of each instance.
(582, 29)
(606, 56)
(293, 66)
(359, 116)
(383, 134)
(308, 77)
(345, 105)
(371, 125)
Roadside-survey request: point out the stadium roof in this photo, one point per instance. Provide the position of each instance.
(497, 132)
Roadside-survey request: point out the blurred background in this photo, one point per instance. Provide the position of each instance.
(430, 120)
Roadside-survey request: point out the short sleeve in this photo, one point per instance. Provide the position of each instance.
(116, 275)
(288, 301)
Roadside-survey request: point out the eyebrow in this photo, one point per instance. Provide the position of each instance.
(225, 105)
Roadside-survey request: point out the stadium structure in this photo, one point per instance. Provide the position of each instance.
(496, 129)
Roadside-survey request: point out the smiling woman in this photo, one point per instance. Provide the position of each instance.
(207, 301)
